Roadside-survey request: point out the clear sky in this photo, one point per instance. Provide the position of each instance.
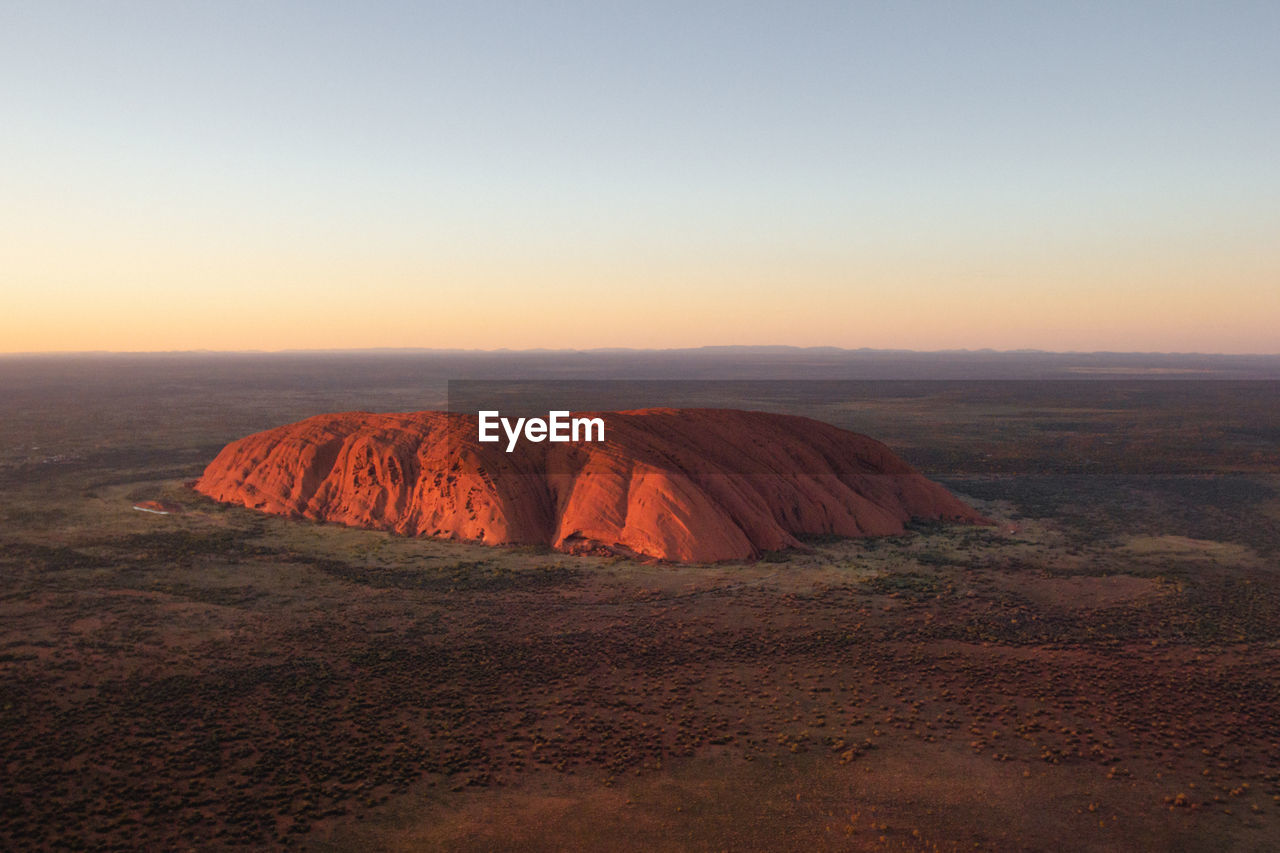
(270, 175)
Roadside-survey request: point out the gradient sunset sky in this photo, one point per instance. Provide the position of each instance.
(270, 175)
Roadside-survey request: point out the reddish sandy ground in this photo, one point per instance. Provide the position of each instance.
(246, 683)
(1098, 673)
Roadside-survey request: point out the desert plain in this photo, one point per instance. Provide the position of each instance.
(1098, 670)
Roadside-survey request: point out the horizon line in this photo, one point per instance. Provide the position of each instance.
(833, 350)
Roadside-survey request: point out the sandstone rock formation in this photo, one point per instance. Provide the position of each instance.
(690, 485)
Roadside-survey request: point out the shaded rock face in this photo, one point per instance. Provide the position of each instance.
(689, 485)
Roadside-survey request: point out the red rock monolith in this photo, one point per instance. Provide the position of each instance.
(688, 485)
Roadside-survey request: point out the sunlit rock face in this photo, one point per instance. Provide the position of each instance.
(688, 485)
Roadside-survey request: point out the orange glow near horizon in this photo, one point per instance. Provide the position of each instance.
(137, 298)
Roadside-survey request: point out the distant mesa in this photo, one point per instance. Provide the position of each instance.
(687, 485)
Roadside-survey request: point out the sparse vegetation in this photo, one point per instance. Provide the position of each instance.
(218, 679)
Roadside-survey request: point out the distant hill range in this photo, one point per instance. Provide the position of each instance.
(717, 362)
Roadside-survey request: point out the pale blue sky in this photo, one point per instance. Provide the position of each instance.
(800, 160)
